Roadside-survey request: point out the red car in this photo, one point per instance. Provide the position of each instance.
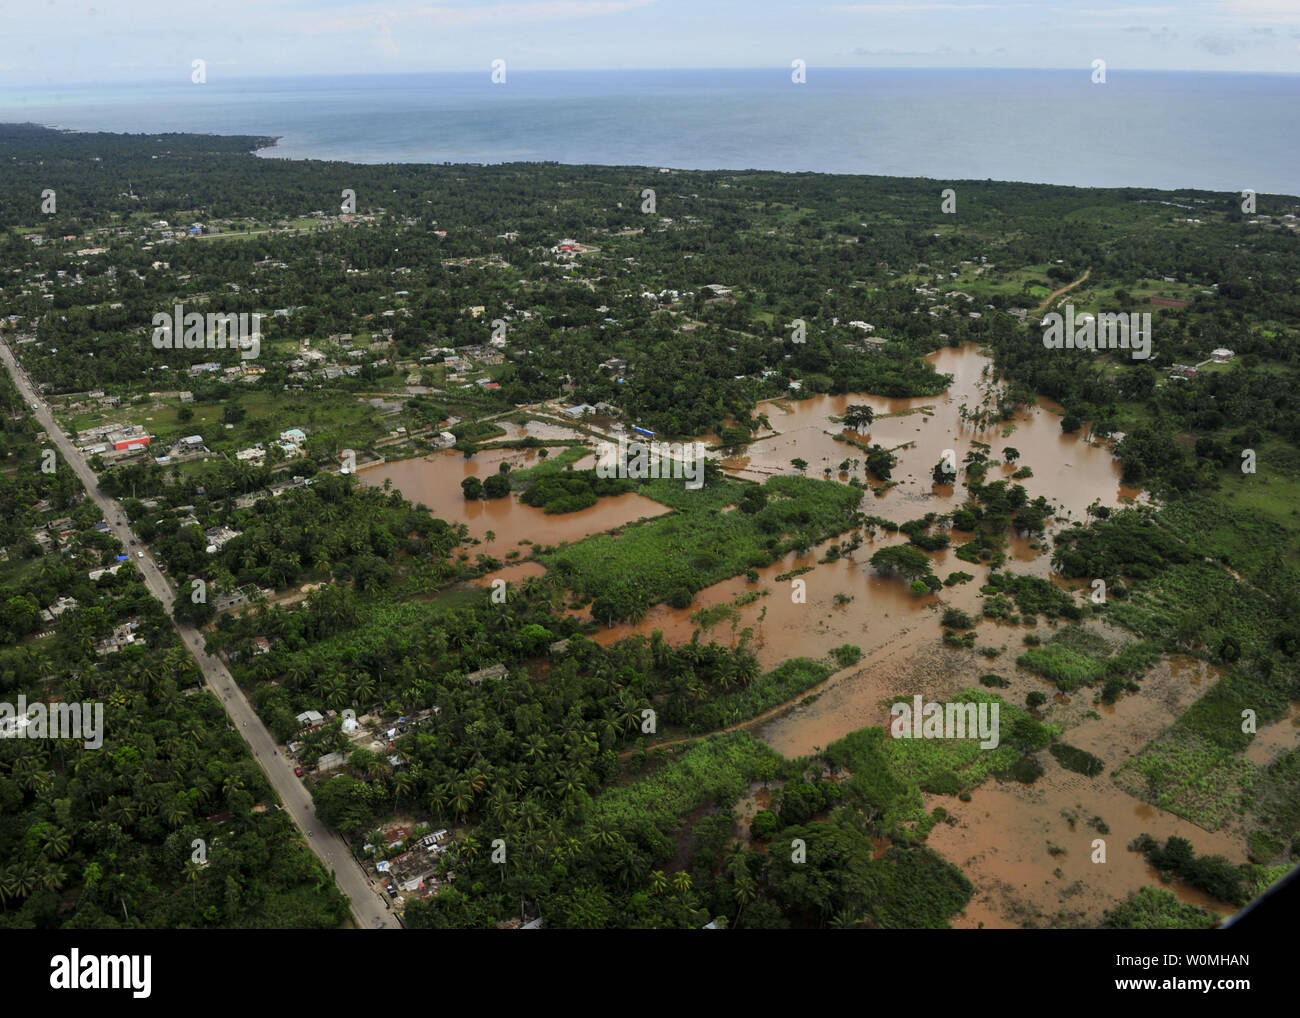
(298, 771)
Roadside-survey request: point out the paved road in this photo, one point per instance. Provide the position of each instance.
(368, 907)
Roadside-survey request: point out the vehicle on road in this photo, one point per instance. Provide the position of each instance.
(298, 771)
(138, 554)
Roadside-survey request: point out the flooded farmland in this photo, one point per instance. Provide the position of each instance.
(435, 481)
(1028, 849)
(1070, 470)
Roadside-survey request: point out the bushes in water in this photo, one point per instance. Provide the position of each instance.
(1034, 596)
(1026, 770)
(1078, 760)
(847, 654)
(571, 490)
(1154, 909)
(1213, 874)
(955, 618)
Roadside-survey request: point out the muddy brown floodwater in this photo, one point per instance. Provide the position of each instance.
(435, 481)
(1028, 849)
(1068, 469)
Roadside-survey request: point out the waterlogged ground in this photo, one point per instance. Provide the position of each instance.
(435, 481)
(1068, 469)
(1028, 849)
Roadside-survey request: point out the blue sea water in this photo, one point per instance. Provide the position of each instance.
(1224, 132)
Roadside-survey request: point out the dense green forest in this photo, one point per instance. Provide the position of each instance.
(170, 823)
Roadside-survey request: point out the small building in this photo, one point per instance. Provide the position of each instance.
(1222, 355)
(219, 536)
(310, 717)
(496, 671)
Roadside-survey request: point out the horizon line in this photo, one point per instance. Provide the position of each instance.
(183, 78)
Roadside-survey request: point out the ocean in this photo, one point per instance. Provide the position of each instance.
(1224, 132)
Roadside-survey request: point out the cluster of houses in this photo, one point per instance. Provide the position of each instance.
(55, 535)
(122, 636)
(411, 873)
(291, 443)
(1182, 372)
(114, 441)
(190, 447)
(243, 371)
(367, 732)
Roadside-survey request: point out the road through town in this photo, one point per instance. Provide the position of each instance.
(368, 908)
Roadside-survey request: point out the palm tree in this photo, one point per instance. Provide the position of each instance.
(51, 877)
(8, 885)
(462, 798)
(470, 848)
(176, 814)
(363, 687)
(403, 785)
(604, 833)
(745, 891)
(56, 842)
(438, 798)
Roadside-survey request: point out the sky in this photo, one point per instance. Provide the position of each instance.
(65, 42)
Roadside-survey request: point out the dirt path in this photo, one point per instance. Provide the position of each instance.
(852, 672)
(1065, 289)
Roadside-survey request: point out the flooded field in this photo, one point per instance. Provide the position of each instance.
(1276, 738)
(1071, 471)
(1031, 868)
(435, 481)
